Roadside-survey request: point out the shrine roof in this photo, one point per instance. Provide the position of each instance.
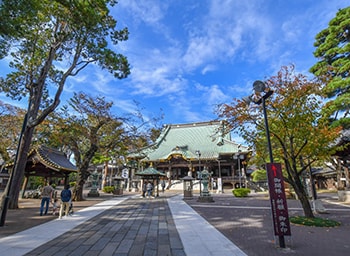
(50, 162)
(187, 139)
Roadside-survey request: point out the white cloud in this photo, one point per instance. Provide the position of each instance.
(216, 95)
(148, 11)
(208, 68)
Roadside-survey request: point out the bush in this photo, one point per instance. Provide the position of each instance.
(108, 189)
(241, 192)
(72, 184)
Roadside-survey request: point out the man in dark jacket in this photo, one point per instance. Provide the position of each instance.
(66, 197)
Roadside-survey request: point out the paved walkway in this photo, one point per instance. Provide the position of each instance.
(124, 226)
(130, 225)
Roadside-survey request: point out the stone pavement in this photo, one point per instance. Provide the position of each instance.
(247, 222)
(124, 226)
(168, 225)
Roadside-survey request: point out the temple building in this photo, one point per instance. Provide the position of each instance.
(186, 149)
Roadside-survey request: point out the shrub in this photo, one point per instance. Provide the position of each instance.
(72, 184)
(108, 189)
(241, 192)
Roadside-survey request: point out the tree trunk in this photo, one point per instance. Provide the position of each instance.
(303, 198)
(105, 174)
(78, 191)
(340, 184)
(83, 173)
(346, 172)
(19, 167)
(82, 176)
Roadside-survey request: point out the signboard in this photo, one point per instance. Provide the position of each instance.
(125, 173)
(278, 199)
(220, 184)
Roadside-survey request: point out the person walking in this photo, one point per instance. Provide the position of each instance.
(149, 189)
(46, 198)
(66, 197)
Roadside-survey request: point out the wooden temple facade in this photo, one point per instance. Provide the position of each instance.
(45, 162)
(186, 149)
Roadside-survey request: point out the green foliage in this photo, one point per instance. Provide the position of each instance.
(11, 119)
(297, 129)
(314, 222)
(108, 189)
(241, 192)
(88, 128)
(72, 184)
(47, 42)
(259, 175)
(34, 182)
(333, 49)
(99, 158)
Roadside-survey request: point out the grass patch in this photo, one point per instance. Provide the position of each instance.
(321, 191)
(314, 222)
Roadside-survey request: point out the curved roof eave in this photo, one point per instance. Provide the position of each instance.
(54, 159)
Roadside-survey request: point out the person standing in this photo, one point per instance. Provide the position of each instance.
(163, 185)
(46, 197)
(144, 188)
(66, 197)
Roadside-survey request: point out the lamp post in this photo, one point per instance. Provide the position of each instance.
(238, 156)
(259, 88)
(198, 153)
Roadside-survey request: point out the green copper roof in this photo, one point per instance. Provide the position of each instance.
(150, 171)
(185, 139)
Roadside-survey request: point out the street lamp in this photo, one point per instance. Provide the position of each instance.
(238, 156)
(259, 88)
(198, 153)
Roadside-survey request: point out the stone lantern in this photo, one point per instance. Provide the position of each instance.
(118, 185)
(188, 185)
(205, 196)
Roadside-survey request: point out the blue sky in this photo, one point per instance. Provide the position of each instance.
(186, 56)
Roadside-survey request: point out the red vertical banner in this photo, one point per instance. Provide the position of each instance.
(278, 199)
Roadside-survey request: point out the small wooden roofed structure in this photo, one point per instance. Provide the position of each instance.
(151, 173)
(185, 148)
(344, 141)
(326, 176)
(343, 158)
(47, 162)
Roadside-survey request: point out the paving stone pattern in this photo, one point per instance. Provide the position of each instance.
(137, 226)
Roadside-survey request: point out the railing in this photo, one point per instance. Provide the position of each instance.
(233, 179)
